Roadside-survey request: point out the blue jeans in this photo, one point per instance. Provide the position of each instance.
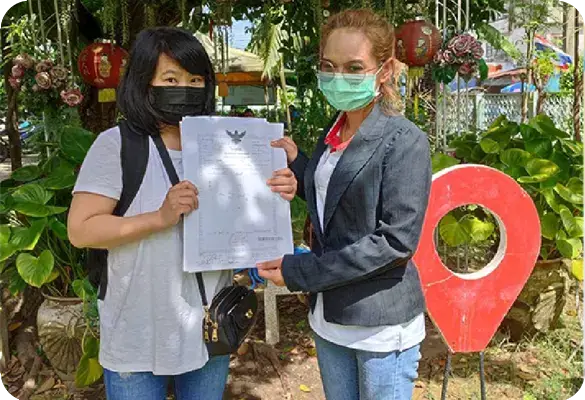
(207, 383)
(350, 374)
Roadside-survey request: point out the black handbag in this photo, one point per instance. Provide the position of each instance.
(233, 311)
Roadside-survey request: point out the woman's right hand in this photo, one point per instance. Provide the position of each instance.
(181, 199)
(289, 146)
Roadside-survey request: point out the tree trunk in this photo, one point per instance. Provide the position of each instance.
(578, 83)
(11, 112)
(528, 81)
(565, 27)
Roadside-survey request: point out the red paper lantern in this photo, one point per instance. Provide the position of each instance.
(417, 42)
(101, 64)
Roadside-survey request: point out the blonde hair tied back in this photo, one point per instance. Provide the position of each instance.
(381, 35)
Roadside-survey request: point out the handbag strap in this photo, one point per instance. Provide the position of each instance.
(172, 173)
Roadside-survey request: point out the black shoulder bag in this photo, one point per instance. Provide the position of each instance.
(232, 313)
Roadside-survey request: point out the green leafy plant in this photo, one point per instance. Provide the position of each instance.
(35, 249)
(546, 163)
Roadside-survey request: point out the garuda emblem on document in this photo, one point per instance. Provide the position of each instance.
(236, 136)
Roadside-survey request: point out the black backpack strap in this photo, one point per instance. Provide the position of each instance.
(172, 173)
(134, 158)
(134, 154)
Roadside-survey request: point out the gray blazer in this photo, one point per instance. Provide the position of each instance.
(374, 211)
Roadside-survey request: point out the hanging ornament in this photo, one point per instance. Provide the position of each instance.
(102, 64)
(417, 42)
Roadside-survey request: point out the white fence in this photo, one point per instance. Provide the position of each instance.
(479, 110)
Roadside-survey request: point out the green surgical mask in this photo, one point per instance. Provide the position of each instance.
(346, 92)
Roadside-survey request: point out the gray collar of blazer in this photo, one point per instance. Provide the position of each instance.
(373, 126)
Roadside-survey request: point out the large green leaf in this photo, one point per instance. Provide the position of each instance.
(59, 228)
(543, 124)
(528, 133)
(26, 174)
(6, 251)
(499, 121)
(483, 69)
(515, 172)
(497, 39)
(570, 223)
(515, 157)
(38, 210)
(441, 161)
(570, 248)
(91, 347)
(477, 154)
(538, 167)
(75, 142)
(88, 371)
(452, 232)
(572, 147)
(32, 193)
(477, 229)
(463, 151)
(58, 181)
(549, 224)
(574, 196)
(541, 147)
(35, 271)
(501, 134)
(489, 146)
(83, 289)
(16, 283)
(4, 233)
(579, 221)
(551, 199)
(564, 165)
(26, 238)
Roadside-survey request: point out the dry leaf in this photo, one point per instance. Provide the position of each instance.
(312, 351)
(244, 348)
(14, 326)
(305, 388)
(572, 313)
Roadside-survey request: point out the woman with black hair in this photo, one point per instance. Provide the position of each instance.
(151, 316)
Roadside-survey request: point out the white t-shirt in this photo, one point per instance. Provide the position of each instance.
(376, 339)
(151, 317)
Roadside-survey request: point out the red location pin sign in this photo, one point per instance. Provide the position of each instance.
(468, 308)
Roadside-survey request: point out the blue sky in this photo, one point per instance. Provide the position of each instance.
(240, 38)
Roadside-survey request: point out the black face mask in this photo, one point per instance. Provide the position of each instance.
(172, 103)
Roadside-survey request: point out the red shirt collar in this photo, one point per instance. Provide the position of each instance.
(333, 138)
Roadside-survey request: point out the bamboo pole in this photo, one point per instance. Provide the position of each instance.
(42, 22)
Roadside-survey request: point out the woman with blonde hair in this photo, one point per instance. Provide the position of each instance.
(366, 187)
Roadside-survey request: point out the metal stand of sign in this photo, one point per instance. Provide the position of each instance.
(447, 372)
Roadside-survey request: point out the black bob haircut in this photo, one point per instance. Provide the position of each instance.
(134, 95)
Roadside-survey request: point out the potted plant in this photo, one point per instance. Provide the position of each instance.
(34, 247)
(548, 164)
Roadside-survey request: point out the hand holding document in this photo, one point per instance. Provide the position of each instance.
(240, 221)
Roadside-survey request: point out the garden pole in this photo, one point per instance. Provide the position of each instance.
(481, 376)
(42, 22)
(446, 376)
(578, 84)
(59, 36)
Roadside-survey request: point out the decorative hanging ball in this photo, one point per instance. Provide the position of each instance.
(102, 64)
(417, 42)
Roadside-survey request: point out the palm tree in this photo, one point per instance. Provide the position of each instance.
(267, 41)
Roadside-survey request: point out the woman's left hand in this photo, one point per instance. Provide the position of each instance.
(271, 270)
(283, 182)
